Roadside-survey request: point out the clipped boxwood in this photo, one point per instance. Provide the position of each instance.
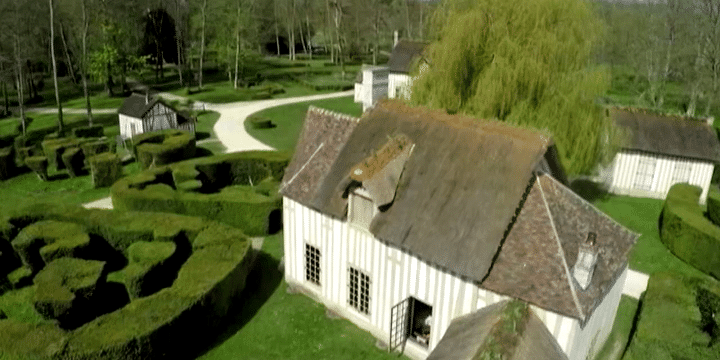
(91, 131)
(7, 162)
(105, 169)
(170, 323)
(54, 148)
(74, 160)
(38, 164)
(713, 205)
(239, 189)
(97, 146)
(163, 147)
(151, 267)
(44, 241)
(259, 122)
(687, 233)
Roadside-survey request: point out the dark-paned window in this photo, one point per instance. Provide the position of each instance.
(359, 290)
(312, 264)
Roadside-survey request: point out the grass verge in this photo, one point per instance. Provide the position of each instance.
(620, 335)
(288, 120)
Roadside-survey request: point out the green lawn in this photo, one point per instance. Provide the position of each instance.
(28, 189)
(620, 335)
(289, 120)
(276, 325)
(204, 132)
(97, 101)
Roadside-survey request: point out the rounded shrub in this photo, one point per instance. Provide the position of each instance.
(91, 131)
(39, 165)
(105, 169)
(74, 160)
(163, 147)
(259, 122)
(687, 233)
(239, 189)
(209, 263)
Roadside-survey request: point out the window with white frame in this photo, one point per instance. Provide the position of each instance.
(359, 290)
(645, 173)
(681, 172)
(312, 264)
(361, 211)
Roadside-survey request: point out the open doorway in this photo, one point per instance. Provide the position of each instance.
(420, 318)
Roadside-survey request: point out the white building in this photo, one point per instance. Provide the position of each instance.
(392, 80)
(371, 85)
(407, 219)
(142, 113)
(662, 151)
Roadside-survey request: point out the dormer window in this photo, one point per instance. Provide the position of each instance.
(586, 261)
(361, 209)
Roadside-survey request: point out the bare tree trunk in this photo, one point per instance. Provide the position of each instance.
(330, 36)
(237, 46)
(202, 44)
(178, 37)
(86, 25)
(307, 21)
(19, 82)
(61, 126)
(338, 15)
(67, 55)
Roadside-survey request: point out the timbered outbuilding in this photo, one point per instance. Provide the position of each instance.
(405, 55)
(409, 218)
(141, 113)
(661, 151)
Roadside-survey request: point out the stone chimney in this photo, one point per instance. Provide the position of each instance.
(586, 261)
(395, 38)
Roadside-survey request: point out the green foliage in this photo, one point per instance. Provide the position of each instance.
(73, 159)
(670, 321)
(92, 131)
(44, 241)
(54, 148)
(29, 341)
(105, 169)
(7, 162)
(95, 147)
(167, 323)
(163, 147)
(65, 289)
(148, 270)
(259, 122)
(687, 233)
(525, 63)
(204, 191)
(713, 205)
(39, 165)
(506, 333)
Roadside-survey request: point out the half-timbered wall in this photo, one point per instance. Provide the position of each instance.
(629, 171)
(160, 117)
(129, 126)
(396, 275)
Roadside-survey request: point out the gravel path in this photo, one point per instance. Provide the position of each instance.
(230, 128)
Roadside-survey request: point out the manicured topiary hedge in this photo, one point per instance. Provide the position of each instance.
(74, 160)
(39, 165)
(169, 323)
(687, 233)
(7, 162)
(105, 169)
(163, 147)
(54, 148)
(676, 320)
(239, 189)
(91, 131)
(96, 146)
(713, 205)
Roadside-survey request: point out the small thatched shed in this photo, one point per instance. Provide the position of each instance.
(662, 150)
(141, 113)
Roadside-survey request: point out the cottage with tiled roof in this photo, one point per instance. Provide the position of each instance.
(408, 218)
(661, 151)
(142, 113)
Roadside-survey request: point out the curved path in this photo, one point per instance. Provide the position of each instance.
(230, 127)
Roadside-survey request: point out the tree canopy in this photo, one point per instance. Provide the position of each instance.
(524, 62)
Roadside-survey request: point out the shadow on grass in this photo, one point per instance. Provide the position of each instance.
(589, 190)
(202, 152)
(58, 176)
(263, 280)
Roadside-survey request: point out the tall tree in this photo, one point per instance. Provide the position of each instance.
(61, 125)
(203, 15)
(523, 62)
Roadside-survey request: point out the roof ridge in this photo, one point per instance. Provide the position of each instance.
(592, 206)
(338, 115)
(561, 252)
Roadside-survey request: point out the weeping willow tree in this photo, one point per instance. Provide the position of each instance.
(524, 62)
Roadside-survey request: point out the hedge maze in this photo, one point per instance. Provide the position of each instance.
(115, 285)
(239, 189)
(687, 232)
(163, 147)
